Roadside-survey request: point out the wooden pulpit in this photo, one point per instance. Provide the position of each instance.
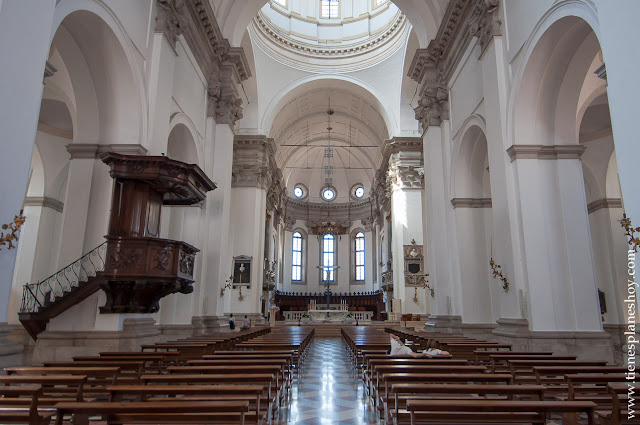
(141, 268)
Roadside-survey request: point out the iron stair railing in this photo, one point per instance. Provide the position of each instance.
(36, 296)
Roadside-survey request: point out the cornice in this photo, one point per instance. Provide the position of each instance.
(545, 152)
(604, 203)
(433, 67)
(471, 202)
(224, 67)
(44, 202)
(282, 39)
(93, 150)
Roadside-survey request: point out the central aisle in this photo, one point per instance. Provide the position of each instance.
(328, 392)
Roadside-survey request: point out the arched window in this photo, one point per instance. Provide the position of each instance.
(328, 257)
(296, 262)
(359, 257)
(329, 9)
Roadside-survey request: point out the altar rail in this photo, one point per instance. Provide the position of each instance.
(360, 302)
(360, 316)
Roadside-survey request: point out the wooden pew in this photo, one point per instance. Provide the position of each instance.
(148, 412)
(252, 393)
(619, 412)
(402, 392)
(493, 411)
(19, 405)
(56, 385)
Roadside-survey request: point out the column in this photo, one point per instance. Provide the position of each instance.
(25, 31)
(216, 253)
(254, 173)
(406, 176)
(506, 244)
(623, 90)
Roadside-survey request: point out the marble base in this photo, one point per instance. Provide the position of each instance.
(618, 340)
(206, 324)
(586, 345)
(62, 346)
(482, 331)
(11, 351)
(172, 332)
(444, 323)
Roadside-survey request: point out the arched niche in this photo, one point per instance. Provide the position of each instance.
(182, 146)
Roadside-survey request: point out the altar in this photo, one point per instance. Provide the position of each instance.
(328, 315)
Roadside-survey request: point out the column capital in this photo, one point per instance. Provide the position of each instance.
(485, 22)
(171, 19)
(224, 66)
(254, 163)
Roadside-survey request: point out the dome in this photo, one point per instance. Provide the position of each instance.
(323, 35)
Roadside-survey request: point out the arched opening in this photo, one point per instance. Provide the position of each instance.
(558, 106)
(473, 215)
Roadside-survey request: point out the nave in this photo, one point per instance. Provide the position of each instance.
(328, 391)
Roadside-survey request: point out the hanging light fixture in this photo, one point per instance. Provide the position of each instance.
(328, 193)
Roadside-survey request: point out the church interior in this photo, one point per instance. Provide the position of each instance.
(220, 211)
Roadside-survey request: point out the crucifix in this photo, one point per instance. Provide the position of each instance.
(326, 273)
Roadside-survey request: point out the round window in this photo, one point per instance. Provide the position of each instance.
(298, 192)
(359, 193)
(328, 194)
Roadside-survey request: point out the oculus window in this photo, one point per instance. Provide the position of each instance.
(328, 194)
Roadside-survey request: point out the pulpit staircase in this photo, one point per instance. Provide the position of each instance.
(62, 290)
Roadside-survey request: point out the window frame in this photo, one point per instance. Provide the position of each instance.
(353, 256)
(334, 281)
(303, 257)
(322, 16)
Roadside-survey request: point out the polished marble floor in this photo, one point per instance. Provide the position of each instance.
(328, 391)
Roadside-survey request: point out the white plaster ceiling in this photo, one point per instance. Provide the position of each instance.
(358, 130)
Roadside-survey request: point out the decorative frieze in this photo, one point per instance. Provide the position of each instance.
(93, 150)
(471, 202)
(545, 152)
(44, 202)
(604, 203)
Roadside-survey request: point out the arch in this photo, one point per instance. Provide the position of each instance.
(468, 165)
(183, 143)
(314, 81)
(107, 81)
(36, 178)
(549, 52)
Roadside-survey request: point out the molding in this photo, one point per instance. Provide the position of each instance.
(93, 150)
(604, 203)
(44, 202)
(49, 70)
(545, 152)
(433, 67)
(223, 66)
(55, 131)
(595, 135)
(471, 202)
